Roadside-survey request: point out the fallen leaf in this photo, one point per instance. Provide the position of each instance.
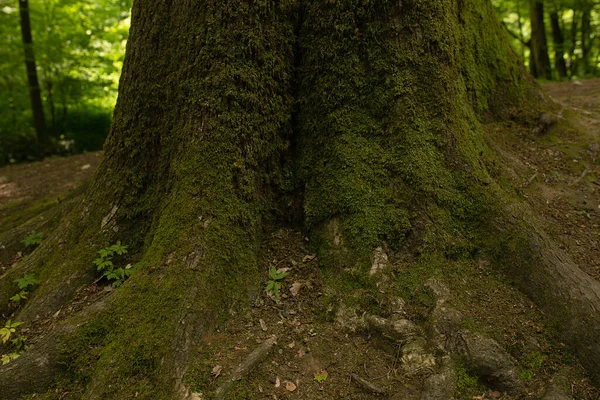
(289, 386)
(291, 345)
(277, 382)
(86, 166)
(295, 289)
(496, 395)
(309, 258)
(216, 371)
(301, 353)
(263, 324)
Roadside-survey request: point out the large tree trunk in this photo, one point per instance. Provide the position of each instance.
(35, 93)
(559, 45)
(370, 113)
(540, 61)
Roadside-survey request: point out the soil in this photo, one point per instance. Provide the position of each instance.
(557, 172)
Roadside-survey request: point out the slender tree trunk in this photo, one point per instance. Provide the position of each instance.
(540, 67)
(35, 94)
(586, 41)
(559, 45)
(573, 42)
(520, 24)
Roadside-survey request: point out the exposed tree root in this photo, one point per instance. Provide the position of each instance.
(366, 385)
(255, 358)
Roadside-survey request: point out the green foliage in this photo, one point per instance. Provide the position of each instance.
(515, 15)
(104, 263)
(79, 47)
(8, 330)
(22, 295)
(33, 239)
(26, 284)
(28, 281)
(6, 358)
(273, 285)
(18, 343)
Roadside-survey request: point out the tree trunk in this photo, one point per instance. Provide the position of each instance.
(228, 113)
(573, 43)
(35, 94)
(540, 64)
(586, 40)
(559, 46)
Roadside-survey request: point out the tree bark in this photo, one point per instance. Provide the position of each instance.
(559, 45)
(540, 64)
(35, 93)
(369, 114)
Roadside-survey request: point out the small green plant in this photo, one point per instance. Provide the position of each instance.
(104, 263)
(273, 286)
(6, 358)
(33, 239)
(321, 377)
(26, 284)
(8, 330)
(19, 343)
(584, 213)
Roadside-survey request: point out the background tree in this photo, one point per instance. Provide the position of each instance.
(39, 120)
(229, 112)
(576, 20)
(79, 47)
(539, 62)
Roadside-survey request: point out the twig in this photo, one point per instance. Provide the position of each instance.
(255, 358)
(366, 384)
(530, 181)
(583, 175)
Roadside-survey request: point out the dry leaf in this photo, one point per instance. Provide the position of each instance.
(277, 382)
(263, 325)
(309, 258)
(301, 353)
(216, 371)
(295, 289)
(289, 386)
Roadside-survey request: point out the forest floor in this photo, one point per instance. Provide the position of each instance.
(316, 356)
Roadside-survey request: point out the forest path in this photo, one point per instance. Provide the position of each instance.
(28, 189)
(558, 173)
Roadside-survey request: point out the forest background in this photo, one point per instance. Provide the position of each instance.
(79, 45)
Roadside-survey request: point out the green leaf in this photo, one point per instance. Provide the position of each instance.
(33, 239)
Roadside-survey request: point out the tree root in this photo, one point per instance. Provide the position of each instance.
(255, 358)
(366, 385)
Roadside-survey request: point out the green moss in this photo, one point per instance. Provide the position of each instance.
(390, 143)
(531, 363)
(467, 383)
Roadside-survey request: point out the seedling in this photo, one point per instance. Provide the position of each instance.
(104, 263)
(28, 281)
(321, 377)
(8, 330)
(26, 284)
(6, 358)
(33, 239)
(273, 286)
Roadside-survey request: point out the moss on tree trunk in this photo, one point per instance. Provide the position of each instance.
(369, 110)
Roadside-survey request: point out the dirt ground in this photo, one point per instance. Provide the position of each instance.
(558, 173)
